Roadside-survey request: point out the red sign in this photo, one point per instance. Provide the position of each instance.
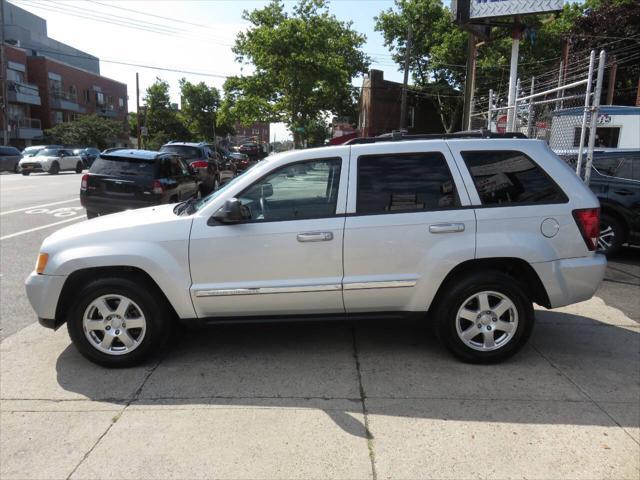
(501, 124)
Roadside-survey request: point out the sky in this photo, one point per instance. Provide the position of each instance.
(199, 38)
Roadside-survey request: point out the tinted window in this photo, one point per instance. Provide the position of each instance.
(50, 152)
(629, 168)
(9, 151)
(128, 167)
(503, 177)
(183, 150)
(404, 183)
(294, 192)
(606, 165)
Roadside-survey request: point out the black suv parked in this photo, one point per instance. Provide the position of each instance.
(126, 179)
(202, 158)
(615, 179)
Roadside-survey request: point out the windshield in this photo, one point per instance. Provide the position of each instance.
(118, 166)
(182, 150)
(50, 152)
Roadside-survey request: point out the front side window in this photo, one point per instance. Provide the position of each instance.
(629, 168)
(397, 183)
(294, 192)
(510, 178)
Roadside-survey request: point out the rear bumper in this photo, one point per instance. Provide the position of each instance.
(106, 205)
(571, 280)
(43, 292)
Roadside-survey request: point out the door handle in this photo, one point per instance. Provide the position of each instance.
(446, 228)
(315, 236)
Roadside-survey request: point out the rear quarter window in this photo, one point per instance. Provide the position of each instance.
(511, 178)
(126, 167)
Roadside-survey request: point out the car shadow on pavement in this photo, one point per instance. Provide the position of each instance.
(571, 371)
(622, 282)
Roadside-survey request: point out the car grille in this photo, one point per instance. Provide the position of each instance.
(30, 165)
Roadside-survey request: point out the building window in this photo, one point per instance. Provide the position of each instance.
(15, 76)
(56, 87)
(109, 102)
(57, 117)
(121, 102)
(99, 98)
(411, 117)
(73, 93)
(87, 96)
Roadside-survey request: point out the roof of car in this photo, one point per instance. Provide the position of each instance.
(136, 154)
(184, 144)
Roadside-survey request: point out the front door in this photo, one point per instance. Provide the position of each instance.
(286, 258)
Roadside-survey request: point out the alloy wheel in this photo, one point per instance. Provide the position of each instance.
(487, 321)
(114, 324)
(607, 238)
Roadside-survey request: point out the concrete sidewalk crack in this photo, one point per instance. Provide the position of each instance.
(583, 391)
(363, 400)
(117, 416)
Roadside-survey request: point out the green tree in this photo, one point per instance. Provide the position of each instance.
(199, 109)
(303, 62)
(88, 130)
(162, 120)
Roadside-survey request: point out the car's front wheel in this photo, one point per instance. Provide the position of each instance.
(79, 167)
(484, 317)
(54, 169)
(118, 322)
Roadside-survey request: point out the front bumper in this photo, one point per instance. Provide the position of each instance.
(34, 167)
(571, 280)
(43, 292)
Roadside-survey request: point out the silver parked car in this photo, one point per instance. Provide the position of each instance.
(466, 233)
(9, 159)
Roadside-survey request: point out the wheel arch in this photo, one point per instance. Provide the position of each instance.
(520, 270)
(607, 208)
(81, 277)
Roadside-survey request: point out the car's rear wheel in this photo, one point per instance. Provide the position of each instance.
(118, 322)
(79, 167)
(611, 235)
(484, 317)
(54, 169)
(25, 172)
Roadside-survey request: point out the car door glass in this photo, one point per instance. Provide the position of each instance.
(397, 183)
(299, 191)
(625, 170)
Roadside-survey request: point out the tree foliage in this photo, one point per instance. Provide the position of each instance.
(162, 120)
(87, 130)
(439, 51)
(303, 63)
(199, 108)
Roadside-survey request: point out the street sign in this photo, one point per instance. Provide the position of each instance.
(469, 10)
(501, 124)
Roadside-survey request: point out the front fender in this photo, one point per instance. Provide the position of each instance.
(166, 263)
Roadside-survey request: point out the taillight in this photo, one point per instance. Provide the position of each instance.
(588, 220)
(85, 181)
(200, 164)
(157, 187)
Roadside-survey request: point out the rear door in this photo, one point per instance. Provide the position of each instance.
(409, 222)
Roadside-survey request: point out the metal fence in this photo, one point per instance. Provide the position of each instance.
(560, 106)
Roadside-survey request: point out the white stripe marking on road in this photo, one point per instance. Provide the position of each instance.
(37, 206)
(43, 227)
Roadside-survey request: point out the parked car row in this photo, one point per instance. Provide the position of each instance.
(46, 158)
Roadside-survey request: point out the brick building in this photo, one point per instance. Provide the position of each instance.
(380, 102)
(259, 132)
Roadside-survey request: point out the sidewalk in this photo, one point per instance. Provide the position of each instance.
(329, 401)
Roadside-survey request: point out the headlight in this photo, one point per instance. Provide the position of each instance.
(41, 264)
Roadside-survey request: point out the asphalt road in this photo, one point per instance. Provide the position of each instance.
(33, 207)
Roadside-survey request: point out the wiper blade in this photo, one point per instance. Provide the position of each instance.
(184, 206)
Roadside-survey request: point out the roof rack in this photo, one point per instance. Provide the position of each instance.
(398, 136)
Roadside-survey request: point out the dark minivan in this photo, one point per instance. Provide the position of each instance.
(128, 179)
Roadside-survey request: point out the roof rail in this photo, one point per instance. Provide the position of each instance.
(401, 136)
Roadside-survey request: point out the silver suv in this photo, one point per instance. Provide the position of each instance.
(467, 233)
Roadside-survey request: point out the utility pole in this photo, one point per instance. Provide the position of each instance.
(516, 33)
(138, 109)
(470, 82)
(403, 103)
(611, 87)
(3, 78)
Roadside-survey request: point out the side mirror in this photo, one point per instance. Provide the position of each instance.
(230, 212)
(61, 154)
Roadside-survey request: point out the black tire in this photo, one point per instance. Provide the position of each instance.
(614, 235)
(79, 167)
(91, 214)
(158, 320)
(25, 173)
(16, 168)
(461, 289)
(54, 169)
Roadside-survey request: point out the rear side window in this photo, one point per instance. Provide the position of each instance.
(404, 183)
(511, 178)
(126, 167)
(184, 151)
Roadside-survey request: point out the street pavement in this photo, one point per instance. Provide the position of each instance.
(323, 400)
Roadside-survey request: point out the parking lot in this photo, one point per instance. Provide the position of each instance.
(319, 400)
